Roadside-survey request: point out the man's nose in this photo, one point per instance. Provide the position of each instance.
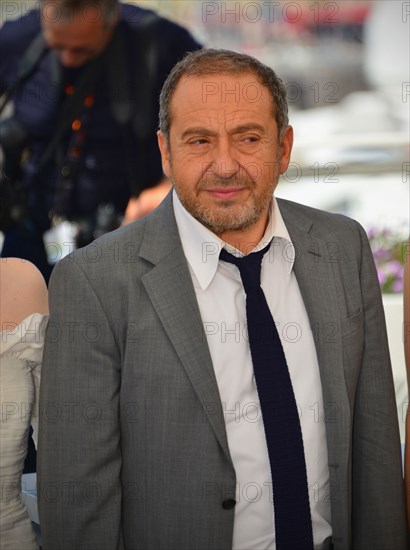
(69, 58)
(224, 163)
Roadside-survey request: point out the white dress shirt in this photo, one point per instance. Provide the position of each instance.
(221, 300)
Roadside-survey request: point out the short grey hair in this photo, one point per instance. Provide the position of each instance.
(214, 62)
(68, 8)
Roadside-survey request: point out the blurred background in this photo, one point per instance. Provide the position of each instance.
(346, 68)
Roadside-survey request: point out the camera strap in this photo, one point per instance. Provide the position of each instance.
(28, 63)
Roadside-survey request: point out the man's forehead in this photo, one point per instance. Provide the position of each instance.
(223, 87)
(219, 92)
(76, 29)
(219, 116)
(198, 119)
(81, 21)
(54, 11)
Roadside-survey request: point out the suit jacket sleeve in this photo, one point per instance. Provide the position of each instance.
(378, 519)
(79, 458)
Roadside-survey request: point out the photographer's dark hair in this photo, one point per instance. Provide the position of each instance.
(214, 62)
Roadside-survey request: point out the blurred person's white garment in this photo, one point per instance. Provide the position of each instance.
(21, 349)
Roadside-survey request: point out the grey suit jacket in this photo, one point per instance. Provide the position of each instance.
(133, 451)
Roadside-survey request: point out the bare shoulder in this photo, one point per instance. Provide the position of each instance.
(23, 290)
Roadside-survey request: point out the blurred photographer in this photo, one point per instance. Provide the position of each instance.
(83, 77)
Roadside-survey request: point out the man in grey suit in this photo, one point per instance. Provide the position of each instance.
(152, 435)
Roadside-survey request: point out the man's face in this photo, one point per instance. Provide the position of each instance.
(223, 156)
(78, 38)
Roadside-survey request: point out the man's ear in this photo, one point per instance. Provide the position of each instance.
(165, 154)
(286, 145)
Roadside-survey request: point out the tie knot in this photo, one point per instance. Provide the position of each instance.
(249, 266)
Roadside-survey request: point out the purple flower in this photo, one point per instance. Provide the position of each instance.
(387, 249)
(382, 277)
(395, 268)
(371, 233)
(380, 254)
(397, 285)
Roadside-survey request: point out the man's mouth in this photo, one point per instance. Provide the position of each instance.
(225, 193)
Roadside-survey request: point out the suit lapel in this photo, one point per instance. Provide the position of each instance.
(169, 287)
(317, 273)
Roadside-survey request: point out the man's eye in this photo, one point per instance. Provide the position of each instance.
(250, 139)
(199, 141)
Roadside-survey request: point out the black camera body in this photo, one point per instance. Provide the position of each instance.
(13, 135)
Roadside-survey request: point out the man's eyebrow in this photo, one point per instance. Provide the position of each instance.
(243, 128)
(198, 131)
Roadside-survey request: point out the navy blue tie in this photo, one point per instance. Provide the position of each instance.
(293, 524)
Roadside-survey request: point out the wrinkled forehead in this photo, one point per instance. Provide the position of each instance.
(214, 92)
(224, 87)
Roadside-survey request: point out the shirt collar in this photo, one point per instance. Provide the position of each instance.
(202, 247)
